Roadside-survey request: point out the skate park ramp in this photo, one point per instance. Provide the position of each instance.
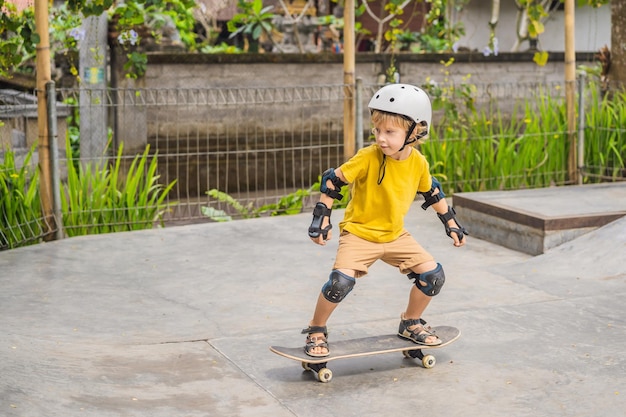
(535, 220)
(178, 321)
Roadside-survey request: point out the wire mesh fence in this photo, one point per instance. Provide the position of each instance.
(176, 156)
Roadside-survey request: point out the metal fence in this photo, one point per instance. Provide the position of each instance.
(260, 149)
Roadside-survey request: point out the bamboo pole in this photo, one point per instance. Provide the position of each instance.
(43, 76)
(570, 90)
(349, 120)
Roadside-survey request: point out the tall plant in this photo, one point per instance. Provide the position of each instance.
(605, 136)
(491, 152)
(101, 199)
(20, 206)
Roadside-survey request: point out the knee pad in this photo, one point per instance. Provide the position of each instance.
(433, 280)
(338, 286)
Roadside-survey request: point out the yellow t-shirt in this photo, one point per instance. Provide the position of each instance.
(376, 212)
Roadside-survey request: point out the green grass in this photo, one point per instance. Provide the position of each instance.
(103, 199)
(530, 148)
(20, 205)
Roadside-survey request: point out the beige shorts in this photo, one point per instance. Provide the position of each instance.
(359, 254)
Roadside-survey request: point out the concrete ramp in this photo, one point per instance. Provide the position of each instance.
(579, 267)
(600, 254)
(536, 220)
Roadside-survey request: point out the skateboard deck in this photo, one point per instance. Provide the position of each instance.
(366, 346)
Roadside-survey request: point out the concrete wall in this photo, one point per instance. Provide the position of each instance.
(504, 78)
(267, 70)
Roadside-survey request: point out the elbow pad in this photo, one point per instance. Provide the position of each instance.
(329, 174)
(430, 197)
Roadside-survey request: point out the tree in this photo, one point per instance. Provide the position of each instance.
(617, 71)
(18, 36)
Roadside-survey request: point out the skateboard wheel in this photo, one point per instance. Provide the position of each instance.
(429, 361)
(305, 366)
(324, 375)
(414, 354)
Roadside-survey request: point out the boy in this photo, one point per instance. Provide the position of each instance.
(384, 178)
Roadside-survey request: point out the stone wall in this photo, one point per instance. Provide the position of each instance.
(266, 70)
(504, 78)
(209, 146)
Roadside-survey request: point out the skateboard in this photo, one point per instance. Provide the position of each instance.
(366, 346)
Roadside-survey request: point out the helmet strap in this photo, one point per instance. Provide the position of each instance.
(381, 169)
(408, 136)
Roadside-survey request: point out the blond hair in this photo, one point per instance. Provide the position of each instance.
(379, 117)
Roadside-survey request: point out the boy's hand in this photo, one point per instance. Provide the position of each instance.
(457, 233)
(320, 240)
(453, 228)
(320, 229)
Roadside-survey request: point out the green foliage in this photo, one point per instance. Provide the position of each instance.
(338, 23)
(245, 212)
(136, 65)
(103, 199)
(222, 48)
(155, 15)
(290, 204)
(456, 101)
(252, 20)
(527, 149)
(20, 206)
(73, 129)
(439, 35)
(90, 7)
(133, 18)
(18, 37)
(605, 137)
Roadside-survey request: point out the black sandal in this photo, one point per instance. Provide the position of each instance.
(313, 342)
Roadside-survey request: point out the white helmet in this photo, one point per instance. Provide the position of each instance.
(406, 100)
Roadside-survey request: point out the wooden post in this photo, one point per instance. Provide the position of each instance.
(349, 120)
(43, 76)
(570, 90)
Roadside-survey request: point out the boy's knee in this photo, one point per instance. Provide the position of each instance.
(338, 286)
(429, 282)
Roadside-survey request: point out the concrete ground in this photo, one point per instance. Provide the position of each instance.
(177, 322)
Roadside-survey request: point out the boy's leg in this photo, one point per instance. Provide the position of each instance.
(418, 301)
(323, 311)
(354, 257)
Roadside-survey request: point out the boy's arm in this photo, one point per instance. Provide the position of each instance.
(320, 229)
(436, 198)
(447, 215)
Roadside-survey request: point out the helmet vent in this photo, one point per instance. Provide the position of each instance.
(392, 99)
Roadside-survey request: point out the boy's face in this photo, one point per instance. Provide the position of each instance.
(389, 137)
